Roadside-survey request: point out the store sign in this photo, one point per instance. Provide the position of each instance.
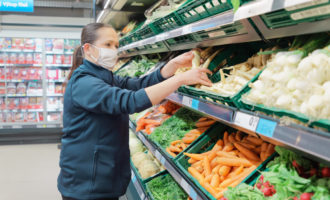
(16, 5)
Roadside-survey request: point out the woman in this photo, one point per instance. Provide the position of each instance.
(94, 158)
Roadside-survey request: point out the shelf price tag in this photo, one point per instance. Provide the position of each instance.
(158, 155)
(247, 121)
(266, 127)
(184, 185)
(163, 160)
(192, 103)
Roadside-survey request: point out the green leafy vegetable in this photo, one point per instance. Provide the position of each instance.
(175, 127)
(165, 188)
(236, 4)
(137, 67)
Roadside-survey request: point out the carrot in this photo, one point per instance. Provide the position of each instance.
(241, 155)
(196, 131)
(247, 153)
(209, 188)
(214, 162)
(247, 145)
(183, 146)
(255, 140)
(220, 194)
(225, 138)
(270, 150)
(215, 170)
(234, 162)
(198, 163)
(212, 155)
(215, 180)
(264, 147)
(257, 150)
(189, 198)
(170, 152)
(175, 149)
(224, 170)
(231, 138)
(202, 119)
(238, 136)
(175, 142)
(239, 170)
(208, 178)
(220, 142)
(195, 174)
(204, 123)
(229, 181)
(228, 147)
(188, 140)
(207, 166)
(152, 121)
(263, 156)
(192, 161)
(203, 129)
(225, 154)
(199, 168)
(194, 156)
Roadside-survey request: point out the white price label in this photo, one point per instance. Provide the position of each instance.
(186, 30)
(160, 37)
(158, 155)
(192, 103)
(184, 185)
(247, 121)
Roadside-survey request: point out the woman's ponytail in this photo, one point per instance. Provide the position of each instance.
(77, 60)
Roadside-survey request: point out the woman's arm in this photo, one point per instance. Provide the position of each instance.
(160, 91)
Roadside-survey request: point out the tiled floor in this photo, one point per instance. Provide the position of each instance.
(29, 172)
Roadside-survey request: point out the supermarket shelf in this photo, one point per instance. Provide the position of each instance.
(19, 81)
(55, 110)
(60, 53)
(248, 10)
(58, 65)
(55, 81)
(21, 65)
(311, 142)
(24, 95)
(186, 184)
(20, 51)
(27, 125)
(22, 110)
(54, 95)
(139, 188)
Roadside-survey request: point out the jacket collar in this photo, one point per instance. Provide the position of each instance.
(97, 70)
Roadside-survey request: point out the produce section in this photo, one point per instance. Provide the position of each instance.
(270, 68)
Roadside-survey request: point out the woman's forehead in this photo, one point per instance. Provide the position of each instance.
(108, 33)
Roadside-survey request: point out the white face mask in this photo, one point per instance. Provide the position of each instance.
(107, 57)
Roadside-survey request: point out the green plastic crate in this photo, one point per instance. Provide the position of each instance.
(177, 41)
(166, 23)
(309, 12)
(145, 32)
(206, 144)
(322, 123)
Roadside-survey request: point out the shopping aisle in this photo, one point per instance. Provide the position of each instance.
(29, 172)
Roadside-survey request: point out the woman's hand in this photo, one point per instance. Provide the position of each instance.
(183, 60)
(195, 76)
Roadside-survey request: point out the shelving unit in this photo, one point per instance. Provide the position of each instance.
(251, 17)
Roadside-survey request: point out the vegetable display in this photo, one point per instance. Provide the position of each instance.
(162, 8)
(137, 68)
(156, 117)
(289, 176)
(146, 164)
(120, 63)
(178, 146)
(292, 82)
(165, 188)
(229, 162)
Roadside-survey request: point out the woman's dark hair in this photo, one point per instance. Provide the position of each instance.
(88, 35)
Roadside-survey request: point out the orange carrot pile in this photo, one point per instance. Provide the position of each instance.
(153, 119)
(229, 162)
(178, 146)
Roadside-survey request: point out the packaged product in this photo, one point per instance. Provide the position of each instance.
(39, 73)
(49, 44)
(11, 88)
(13, 58)
(21, 58)
(9, 73)
(51, 88)
(58, 45)
(34, 88)
(23, 74)
(58, 59)
(69, 45)
(40, 116)
(12, 103)
(15, 73)
(19, 117)
(23, 103)
(37, 58)
(29, 58)
(9, 117)
(1, 58)
(17, 43)
(49, 59)
(51, 117)
(52, 74)
(53, 103)
(38, 43)
(2, 117)
(5, 57)
(2, 88)
(67, 60)
(29, 44)
(32, 74)
(31, 117)
(58, 89)
(2, 103)
(2, 73)
(7, 43)
(21, 89)
(32, 103)
(2, 43)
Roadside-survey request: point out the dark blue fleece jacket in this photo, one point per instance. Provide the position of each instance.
(94, 158)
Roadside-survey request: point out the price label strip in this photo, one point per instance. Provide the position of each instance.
(158, 155)
(266, 127)
(184, 185)
(192, 103)
(246, 121)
